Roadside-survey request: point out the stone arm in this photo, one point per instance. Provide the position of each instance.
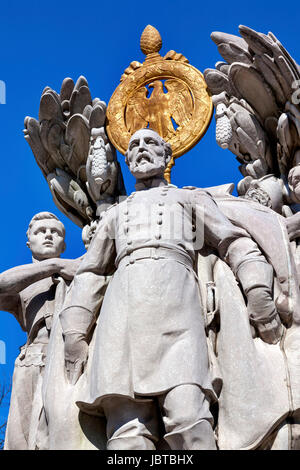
(250, 267)
(87, 292)
(14, 280)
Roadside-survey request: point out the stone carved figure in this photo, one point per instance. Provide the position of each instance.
(257, 118)
(150, 345)
(255, 396)
(31, 293)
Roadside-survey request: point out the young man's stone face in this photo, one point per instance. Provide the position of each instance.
(46, 239)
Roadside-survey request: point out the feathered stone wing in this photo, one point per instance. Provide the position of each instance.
(60, 141)
(250, 93)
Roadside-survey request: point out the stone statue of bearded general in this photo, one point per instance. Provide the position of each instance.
(150, 351)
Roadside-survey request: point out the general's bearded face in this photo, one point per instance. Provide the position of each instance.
(46, 239)
(146, 155)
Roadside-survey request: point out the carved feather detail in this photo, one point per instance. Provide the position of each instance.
(260, 123)
(60, 142)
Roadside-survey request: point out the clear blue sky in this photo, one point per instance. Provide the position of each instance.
(44, 42)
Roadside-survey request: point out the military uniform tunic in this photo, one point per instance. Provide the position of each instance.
(33, 308)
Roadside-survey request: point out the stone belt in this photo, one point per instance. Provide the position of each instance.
(154, 253)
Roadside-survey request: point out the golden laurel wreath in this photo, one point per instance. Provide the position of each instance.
(179, 107)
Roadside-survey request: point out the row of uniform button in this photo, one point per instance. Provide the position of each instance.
(164, 192)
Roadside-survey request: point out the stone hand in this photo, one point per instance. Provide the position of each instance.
(256, 277)
(263, 315)
(67, 268)
(270, 332)
(76, 354)
(293, 226)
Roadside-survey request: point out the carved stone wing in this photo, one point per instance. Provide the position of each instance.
(60, 141)
(252, 92)
(33, 137)
(77, 138)
(69, 196)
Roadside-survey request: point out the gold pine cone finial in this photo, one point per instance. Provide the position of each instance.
(151, 41)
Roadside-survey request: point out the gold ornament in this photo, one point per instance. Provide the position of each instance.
(179, 107)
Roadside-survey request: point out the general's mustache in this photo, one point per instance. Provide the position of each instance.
(144, 155)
